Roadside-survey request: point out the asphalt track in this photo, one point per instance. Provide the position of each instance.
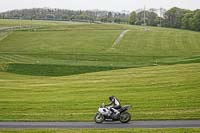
(132, 124)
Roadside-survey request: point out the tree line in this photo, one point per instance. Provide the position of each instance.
(66, 15)
(174, 17)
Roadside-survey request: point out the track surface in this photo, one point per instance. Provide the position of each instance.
(133, 124)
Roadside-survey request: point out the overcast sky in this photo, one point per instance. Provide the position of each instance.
(111, 5)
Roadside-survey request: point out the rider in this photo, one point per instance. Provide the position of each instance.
(115, 105)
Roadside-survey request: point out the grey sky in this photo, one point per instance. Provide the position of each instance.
(111, 5)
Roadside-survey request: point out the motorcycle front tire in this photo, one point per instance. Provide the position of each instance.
(99, 118)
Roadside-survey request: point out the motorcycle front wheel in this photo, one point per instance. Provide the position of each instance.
(99, 118)
(125, 117)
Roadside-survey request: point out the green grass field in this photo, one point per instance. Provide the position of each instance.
(160, 92)
(11, 23)
(64, 71)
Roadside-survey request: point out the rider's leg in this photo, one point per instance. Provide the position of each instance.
(112, 110)
(115, 110)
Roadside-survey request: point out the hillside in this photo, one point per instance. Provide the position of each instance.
(62, 48)
(54, 71)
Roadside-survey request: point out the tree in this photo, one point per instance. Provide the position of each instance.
(83, 16)
(132, 18)
(110, 17)
(173, 17)
(186, 20)
(195, 21)
(65, 17)
(151, 18)
(117, 20)
(140, 18)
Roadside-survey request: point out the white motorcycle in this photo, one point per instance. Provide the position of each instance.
(105, 114)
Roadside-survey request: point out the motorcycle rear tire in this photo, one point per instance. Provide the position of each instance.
(125, 117)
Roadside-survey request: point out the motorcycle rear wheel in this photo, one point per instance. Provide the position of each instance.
(125, 117)
(99, 118)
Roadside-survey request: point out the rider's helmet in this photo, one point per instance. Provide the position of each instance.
(111, 98)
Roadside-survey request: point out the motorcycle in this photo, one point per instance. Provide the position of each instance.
(105, 114)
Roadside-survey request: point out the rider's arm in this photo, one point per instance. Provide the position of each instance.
(109, 104)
